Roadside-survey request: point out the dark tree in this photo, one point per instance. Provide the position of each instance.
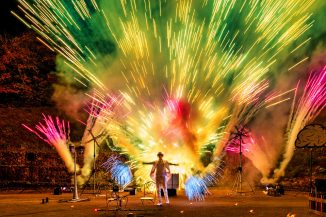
(25, 70)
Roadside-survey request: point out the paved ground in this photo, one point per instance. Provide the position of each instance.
(220, 203)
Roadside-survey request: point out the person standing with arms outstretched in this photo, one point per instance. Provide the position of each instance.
(161, 170)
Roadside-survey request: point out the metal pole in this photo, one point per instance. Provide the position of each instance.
(94, 167)
(240, 167)
(75, 194)
(310, 170)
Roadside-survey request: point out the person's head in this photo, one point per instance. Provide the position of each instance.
(160, 155)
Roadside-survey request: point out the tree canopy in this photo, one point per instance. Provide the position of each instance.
(26, 67)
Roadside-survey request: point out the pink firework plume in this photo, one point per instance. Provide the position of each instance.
(304, 110)
(310, 104)
(55, 132)
(314, 96)
(52, 132)
(103, 110)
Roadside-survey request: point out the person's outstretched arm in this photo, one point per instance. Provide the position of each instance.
(153, 168)
(167, 166)
(146, 163)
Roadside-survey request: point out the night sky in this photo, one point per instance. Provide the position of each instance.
(9, 23)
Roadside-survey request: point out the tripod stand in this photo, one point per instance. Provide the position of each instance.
(93, 173)
(237, 138)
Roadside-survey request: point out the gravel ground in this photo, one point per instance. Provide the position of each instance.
(222, 203)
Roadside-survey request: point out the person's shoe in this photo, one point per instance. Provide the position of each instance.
(159, 204)
(167, 202)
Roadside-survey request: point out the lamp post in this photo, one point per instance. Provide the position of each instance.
(74, 150)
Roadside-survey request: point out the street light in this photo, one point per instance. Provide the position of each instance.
(76, 150)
